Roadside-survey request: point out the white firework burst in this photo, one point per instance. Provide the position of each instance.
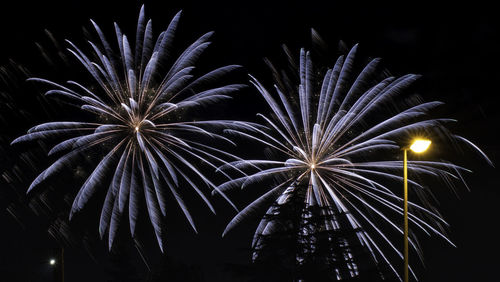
(339, 136)
(150, 150)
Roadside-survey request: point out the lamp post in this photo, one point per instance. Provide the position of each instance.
(58, 265)
(417, 146)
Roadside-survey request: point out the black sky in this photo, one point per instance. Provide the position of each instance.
(455, 48)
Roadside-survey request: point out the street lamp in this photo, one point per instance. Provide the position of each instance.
(417, 146)
(58, 264)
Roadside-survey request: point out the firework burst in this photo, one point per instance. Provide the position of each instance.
(339, 135)
(143, 145)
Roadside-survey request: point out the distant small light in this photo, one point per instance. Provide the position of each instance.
(313, 166)
(52, 262)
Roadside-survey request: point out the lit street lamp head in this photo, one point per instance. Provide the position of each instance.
(420, 145)
(52, 262)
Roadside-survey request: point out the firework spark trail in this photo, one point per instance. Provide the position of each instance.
(332, 141)
(150, 148)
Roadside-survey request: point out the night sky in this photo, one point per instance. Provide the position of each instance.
(455, 48)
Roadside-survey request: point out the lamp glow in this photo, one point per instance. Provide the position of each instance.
(52, 262)
(420, 145)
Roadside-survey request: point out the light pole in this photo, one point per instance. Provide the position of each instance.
(417, 146)
(58, 265)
